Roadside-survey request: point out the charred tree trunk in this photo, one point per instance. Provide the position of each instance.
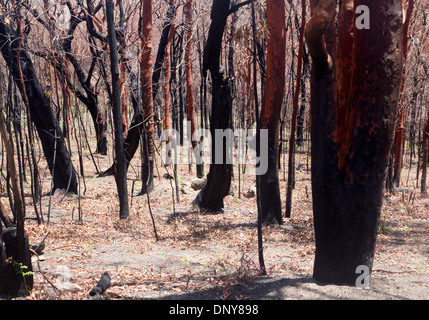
(162, 48)
(121, 166)
(90, 99)
(352, 129)
(291, 163)
(41, 112)
(135, 132)
(167, 77)
(190, 100)
(271, 109)
(147, 98)
(301, 114)
(219, 177)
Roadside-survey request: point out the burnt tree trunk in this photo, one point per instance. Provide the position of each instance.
(90, 99)
(147, 98)
(271, 109)
(167, 77)
(219, 177)
(190, 99)
(301, 114)
(121, 166)
(41, 113)
(162, 47)
(291, 163)
(135, 132)
(352, 129)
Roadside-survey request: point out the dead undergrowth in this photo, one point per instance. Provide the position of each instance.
(213, 256)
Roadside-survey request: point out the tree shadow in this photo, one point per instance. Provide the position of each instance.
(300, 288)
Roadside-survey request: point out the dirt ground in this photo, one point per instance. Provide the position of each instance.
(211, 256)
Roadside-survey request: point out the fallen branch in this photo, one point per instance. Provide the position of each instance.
(100, 288)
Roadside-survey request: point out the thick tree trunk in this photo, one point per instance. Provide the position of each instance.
(219, 177)
(41, 113)
(352, 128)
(271, 109)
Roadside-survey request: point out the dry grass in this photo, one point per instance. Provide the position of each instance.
(196, 251)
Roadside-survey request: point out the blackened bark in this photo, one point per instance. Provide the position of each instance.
(41, 113)
(190, 99)
(219, 177)
(349, 169)
(12, 282)
(121, 167)
(91, 99)
(301, 114)
(163, 42)
(292, 147)
(271, 110)
(147, 98)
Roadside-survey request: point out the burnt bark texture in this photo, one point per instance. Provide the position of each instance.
(271, 109)
(218, 183)
(90, 97)
(147, 98)
(291, 162)
(354, 96)
(121, 167)
(190, 99)
(40, 110)
(12, 282)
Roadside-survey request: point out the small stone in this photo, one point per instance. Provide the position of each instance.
(198, 184)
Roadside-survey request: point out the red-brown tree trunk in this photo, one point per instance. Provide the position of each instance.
(167, 76)
(291, 163)
(400, 125)
(190, 100)
(271, 109)
(147, 99)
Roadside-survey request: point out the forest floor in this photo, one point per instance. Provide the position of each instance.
(211, 256)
